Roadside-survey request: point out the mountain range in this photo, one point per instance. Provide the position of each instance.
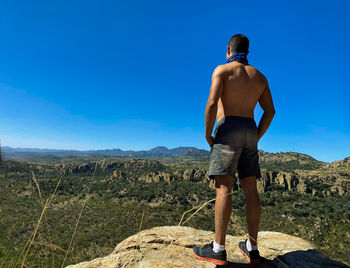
(159, 151)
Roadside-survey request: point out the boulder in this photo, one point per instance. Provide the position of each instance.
(171, 246)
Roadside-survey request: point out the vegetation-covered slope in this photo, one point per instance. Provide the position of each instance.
(122, 189)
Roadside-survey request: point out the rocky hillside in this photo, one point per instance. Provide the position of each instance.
(333, 178)
(289, 160)
(344, 164)
(171, 246)
(320, 181)
(309, 204)
(302, 181)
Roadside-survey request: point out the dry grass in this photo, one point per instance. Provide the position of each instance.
(4, 260)
(138, 238)
(45, 220)
(52, 246)
(80, 214)
(32, 236)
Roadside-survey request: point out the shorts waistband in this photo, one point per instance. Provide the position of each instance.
(233, 117)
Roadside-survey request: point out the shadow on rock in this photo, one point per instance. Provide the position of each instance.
(296, 259)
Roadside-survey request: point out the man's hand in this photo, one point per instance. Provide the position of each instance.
(210, 140)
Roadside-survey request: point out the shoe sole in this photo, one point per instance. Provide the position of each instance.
(218, 262)
(249, 260)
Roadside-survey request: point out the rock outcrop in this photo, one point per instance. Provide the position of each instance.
(156, 177)
(135, 165)
(297, 160)
(321, 181)
(171, 246)
(296, 180)
(287, 180)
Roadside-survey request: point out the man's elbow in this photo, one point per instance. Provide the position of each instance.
(211, 104)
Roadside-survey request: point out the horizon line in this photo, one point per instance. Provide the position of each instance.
(82, 150)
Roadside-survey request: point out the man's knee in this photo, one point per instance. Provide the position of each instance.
(248, 185)
(223, 182)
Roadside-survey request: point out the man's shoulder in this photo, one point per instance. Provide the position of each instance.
(222, 70)
(254, 68)
(219, 69)
(258, 73)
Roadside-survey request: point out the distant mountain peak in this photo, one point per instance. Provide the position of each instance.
(159, 149)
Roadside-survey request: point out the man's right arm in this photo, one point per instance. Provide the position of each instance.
(266, 104)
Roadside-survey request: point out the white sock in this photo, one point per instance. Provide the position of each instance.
(250, 247)
(217, 247)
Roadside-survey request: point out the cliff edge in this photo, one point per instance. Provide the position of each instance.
(171, 246)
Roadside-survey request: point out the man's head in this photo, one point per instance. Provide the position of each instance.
(239, 43)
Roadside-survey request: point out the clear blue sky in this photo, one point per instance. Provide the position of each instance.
(137, 74)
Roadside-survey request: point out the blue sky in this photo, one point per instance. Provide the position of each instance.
(135, 75)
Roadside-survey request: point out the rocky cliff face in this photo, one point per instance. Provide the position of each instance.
(131, 164)
(171, 246)
(156, 177)
(298, 180)
(334, 177)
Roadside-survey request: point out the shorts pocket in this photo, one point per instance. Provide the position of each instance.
(222, 157)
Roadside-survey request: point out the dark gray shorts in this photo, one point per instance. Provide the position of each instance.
(235, 148)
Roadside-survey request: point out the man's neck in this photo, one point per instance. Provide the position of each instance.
(240, 57)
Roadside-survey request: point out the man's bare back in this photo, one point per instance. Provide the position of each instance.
(242, 87)
(235, 91)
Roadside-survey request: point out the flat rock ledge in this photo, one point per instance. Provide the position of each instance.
(171, 246)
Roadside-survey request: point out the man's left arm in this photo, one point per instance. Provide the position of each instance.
(212, 103)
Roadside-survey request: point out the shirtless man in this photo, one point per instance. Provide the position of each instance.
(236, 89)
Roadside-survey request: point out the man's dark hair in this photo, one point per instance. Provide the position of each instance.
(239, 43)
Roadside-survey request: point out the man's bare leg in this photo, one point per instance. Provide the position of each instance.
(223, 206)
(253, 207)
